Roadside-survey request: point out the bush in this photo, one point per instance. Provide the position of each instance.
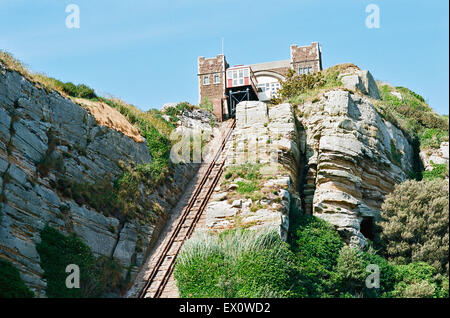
(295, 85)
(416, 280)
(414, 224)
(317, 244)
(237, 263)
(56, 251)
(80, 90)
(351, 274)
(11, 285)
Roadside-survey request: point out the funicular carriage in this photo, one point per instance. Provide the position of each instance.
(241, 86)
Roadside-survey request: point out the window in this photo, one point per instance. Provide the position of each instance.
(216, 79)
(310, 70)
(300, 70)
(206, 80)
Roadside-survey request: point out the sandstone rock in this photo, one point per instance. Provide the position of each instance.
(347, 150)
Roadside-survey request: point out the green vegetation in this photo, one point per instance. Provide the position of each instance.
(317, 246)
(440, 171)
(414, 224)
(412, 115)
(316, 263)
(174, 112)
(206, 105)
(11, 285)
(249, 179)
(247, 171)
(81, 90)
(237, 263)
(432, 137)
(297, 89)
(97, 276)
(395, 155)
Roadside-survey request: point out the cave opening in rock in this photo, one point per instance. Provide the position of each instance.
(367, 227)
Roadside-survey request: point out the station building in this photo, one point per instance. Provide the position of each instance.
(225, 86)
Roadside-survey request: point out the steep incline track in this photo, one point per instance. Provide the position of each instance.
(163, 269)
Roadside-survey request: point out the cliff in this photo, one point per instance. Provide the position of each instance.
(51, 146)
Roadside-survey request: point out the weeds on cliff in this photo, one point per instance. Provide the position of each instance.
(11, 285)
(412, 115)
(440, 171)
(247, 171)
(97, 276)
(297, 89)
(432, 137)
(48, 83)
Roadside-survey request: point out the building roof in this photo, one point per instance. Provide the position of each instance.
(270, 65)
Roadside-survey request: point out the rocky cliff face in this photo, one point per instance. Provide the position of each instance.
(37, 125)
(264, 141)
(336, 155)
(352, 157)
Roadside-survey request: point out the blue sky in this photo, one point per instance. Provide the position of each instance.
(145, 52)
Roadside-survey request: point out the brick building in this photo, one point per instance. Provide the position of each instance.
(225, 86)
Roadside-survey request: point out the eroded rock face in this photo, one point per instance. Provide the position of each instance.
(356, 79)
(35, 124)
(265, 136)
(353, 159)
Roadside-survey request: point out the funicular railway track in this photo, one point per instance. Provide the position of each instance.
(186, 224)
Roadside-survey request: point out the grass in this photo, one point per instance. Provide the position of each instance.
(440, 171)
(236, 263)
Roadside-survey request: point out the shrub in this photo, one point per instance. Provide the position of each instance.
(317, 244)
(351, 274)
(295, 85)
(56, 251)
(350, 271)
(237, 263)
(84, 91)
(414, 225)
(415, 280)
(11, 285)
(70, 88)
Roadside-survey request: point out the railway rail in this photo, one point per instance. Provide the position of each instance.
(186, 224)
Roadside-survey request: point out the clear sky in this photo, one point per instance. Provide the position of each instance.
(145, 52)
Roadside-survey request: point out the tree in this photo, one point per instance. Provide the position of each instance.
(415, 224)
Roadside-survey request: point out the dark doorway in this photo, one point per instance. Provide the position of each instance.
(367, 227)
